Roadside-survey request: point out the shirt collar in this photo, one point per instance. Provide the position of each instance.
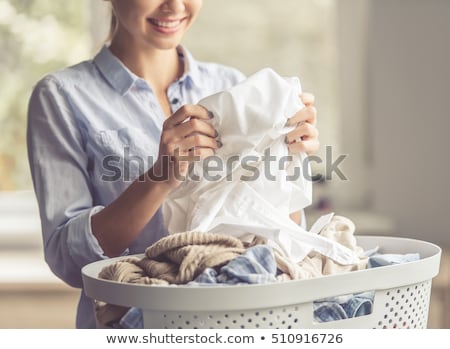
(114, 71)
(192, 71)
(122, 79)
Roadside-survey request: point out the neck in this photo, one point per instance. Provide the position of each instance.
(157, 66)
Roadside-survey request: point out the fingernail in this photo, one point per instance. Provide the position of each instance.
(286, 140)
(219, 144)
(216, 134)
(210, 114)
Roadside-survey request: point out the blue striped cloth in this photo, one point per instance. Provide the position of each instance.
(255, 266)
(360, 304)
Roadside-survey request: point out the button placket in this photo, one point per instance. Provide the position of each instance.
(174, 95)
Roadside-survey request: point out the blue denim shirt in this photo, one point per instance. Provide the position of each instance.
(81, 121)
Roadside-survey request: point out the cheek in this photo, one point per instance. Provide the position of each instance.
(194, 7)
(131, 14)
(135, 25)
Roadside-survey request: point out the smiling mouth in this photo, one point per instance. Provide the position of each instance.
(165, 23)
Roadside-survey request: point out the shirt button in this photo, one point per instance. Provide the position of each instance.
(175, 101)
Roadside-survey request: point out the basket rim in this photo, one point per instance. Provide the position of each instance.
(242, 296)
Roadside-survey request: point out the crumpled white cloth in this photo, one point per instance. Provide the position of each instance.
(251, 117)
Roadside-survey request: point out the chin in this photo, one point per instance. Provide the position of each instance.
(164, 46)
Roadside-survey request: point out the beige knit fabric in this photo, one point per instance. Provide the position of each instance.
(175, 259)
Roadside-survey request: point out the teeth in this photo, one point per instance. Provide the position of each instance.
(171, 24)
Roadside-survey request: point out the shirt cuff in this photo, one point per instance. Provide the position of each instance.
(83, 245)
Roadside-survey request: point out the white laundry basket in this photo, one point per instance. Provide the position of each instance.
(402, 295)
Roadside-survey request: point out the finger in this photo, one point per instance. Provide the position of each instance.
(194, 154)
(184, 113)
(201, 153)
(194, 126)
(309, 147)
(308, 99)
(304, 130)
(307, 114)
(198, 140)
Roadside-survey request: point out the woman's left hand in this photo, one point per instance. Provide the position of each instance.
(305, 137)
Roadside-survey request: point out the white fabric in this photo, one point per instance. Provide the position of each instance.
(251, 117)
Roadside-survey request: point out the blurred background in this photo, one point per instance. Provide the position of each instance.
(381, 76)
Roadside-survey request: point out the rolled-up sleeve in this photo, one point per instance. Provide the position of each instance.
(59, 168)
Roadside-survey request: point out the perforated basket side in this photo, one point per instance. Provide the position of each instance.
(403, 307)
(278, 317)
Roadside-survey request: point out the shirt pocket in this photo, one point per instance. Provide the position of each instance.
(128, 151)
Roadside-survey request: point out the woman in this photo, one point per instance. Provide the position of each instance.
(128, 104)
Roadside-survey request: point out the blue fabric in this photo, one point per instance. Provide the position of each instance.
(343, 307)
(255, 266)
(360, 304)
(381, 260)
(133, 319)
(78, 117)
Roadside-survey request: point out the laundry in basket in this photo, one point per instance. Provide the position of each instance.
(401, 295)
(204, 259)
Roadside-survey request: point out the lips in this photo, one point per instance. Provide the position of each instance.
(166, 25)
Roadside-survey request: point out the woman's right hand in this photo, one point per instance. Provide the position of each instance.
(187, 136)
